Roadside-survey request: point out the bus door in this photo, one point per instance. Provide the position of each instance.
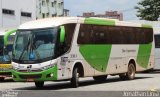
(157, 52)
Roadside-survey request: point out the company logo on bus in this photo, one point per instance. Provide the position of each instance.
(29, 67)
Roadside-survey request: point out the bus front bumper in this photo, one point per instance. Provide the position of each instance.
(6, 73)
(45, 75)
(5, 70)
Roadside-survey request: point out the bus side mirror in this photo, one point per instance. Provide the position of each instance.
(62, 34)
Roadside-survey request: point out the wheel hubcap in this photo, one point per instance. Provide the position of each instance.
(131, 71)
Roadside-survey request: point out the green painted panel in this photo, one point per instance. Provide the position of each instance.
(144, 55)
(96, 55)
(99, 21)
(146, 26)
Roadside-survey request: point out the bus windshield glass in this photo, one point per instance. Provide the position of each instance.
(1, 45)
(4, 57)
(1, 48)
(34, 46)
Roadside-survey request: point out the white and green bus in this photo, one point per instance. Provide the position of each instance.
(67, 48)
(6, 44)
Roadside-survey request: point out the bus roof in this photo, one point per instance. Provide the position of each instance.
(1, 33)
(56, 21)
(48, 22)
(156, 30)
(3, 30)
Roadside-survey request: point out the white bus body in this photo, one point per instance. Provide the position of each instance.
(92, 47)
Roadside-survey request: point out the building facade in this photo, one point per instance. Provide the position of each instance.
(16, 12)
(108, 14)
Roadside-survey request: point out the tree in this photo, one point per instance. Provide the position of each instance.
(148, 10)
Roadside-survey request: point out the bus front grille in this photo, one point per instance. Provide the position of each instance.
(29, 71)
(5, 73)
(30, 76)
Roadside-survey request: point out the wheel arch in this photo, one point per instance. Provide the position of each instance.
(80, 67)
(133, 62)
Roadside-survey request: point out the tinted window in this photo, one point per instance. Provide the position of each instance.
(96, 34)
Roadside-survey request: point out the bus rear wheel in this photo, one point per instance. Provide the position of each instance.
(130, 75)
(39, 84)
(100, 78)
(75, 78)
(2, 79)
(131, 71)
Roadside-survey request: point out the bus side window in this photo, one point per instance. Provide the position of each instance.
(86, 34)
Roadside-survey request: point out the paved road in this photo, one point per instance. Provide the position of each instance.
(143, 82)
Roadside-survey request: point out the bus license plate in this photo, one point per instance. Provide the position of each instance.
(30, 80)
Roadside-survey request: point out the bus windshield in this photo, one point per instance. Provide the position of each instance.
(32, 46)
(1, 45)
(4, 57)
(1, 48)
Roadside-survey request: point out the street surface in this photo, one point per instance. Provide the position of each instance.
(142, 82)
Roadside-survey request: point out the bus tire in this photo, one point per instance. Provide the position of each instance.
(75, 78)
(100, 78)
(130, 75)
(39, 84)
(2, 79)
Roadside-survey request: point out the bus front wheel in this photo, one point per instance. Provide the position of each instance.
(39, 84)
(130, 75)
(75, 78)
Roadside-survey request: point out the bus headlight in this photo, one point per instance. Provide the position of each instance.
(15, 66)
(47, 67)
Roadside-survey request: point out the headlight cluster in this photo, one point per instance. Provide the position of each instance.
(15, 66)
(47, 67)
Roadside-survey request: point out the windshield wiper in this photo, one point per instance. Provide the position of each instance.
(25, 48)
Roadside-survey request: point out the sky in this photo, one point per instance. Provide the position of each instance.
(77, 7)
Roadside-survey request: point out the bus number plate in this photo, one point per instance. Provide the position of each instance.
(30, 80)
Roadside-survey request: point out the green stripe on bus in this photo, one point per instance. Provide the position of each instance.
(99, 21)
(144, 55)
(96, 55)
(146, 26)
